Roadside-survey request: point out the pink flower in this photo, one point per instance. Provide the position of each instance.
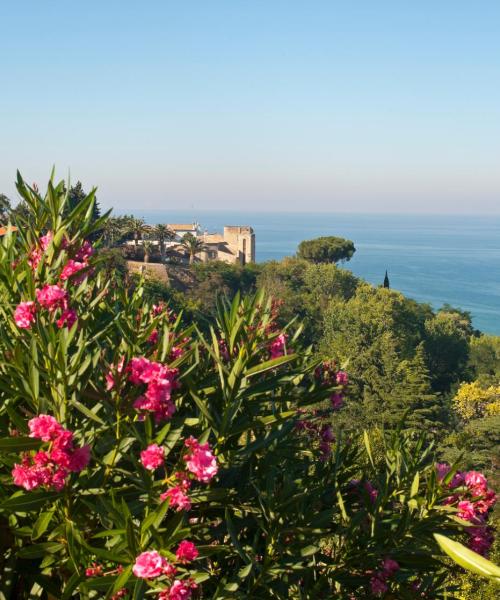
(488, 500)
(186, 552)
(71, 268)
(50, 469)
(24, 315)
(79, 459)
(110, 378)
(158, 309)
(175, 353)
(45, 428)
(26, 477)
(46, 239)
(372, 491)
(160, 381)
(68, 318)
(458, 480)
(153, 338)
(342, 378)
(327, 433)
(34, 258)
(476, 482)
(178, 498)
(480, 539)
(52, 297)
(442, 470)
(200, 460)
(378, 585)
(466, 510)
(179, 590)
(85, 252)
(277, 347)
(337, 401)
(390, 567)
(149, 565)
(153, 457)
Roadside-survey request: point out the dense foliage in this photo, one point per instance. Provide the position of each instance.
(142, 455)
(327, 249)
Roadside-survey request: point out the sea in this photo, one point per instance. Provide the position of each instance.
(437, 259)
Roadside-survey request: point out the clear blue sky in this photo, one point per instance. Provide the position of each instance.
(298, 105)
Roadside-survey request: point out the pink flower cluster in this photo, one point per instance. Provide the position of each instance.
(473, 500)
(202, 465)
(177, 495)
(369, 488)
(151, 564)
(378, 582)
(25, 314)
(323, 433)
(72, 267)
(200, 461)
(328, 375)
(53, 297)
(114, 374)
(35, 255)
(277, 347)
(51, 467)
(50, 298)
(153, 457)
(160, 382)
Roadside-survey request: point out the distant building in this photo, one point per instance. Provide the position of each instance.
(180, 229)
(236, 246)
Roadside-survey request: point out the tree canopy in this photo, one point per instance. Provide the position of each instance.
(326, 249)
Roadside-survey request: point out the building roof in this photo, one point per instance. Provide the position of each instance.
(183, 226)
(213, 238)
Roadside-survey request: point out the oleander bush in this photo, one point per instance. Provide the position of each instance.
(143, 456)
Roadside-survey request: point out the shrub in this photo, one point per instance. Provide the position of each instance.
(141, 457)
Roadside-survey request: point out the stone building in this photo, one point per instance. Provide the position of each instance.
(235, 246)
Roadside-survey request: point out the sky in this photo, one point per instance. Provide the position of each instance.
(352, 106)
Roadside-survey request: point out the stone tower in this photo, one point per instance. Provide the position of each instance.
(241, 239)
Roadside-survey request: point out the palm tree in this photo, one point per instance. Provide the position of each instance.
(137, 227)
(163, 234)
(147, 246)
(193, 245)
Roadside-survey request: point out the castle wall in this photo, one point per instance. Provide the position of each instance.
(241, 239)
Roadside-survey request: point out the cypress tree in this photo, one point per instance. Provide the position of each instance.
(417, 397)
(386, 280)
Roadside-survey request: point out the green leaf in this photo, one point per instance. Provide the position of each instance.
(41, 524)
(467, 558)
(19, 444)
(368, 447)
(31, 501)
(415, 485)
(40, 550)
(309, 550)
(270, 364)
(88, 413)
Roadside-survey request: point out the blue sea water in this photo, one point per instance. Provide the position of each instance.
(436, 259)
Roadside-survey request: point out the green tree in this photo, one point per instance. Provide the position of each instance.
(484, 358)
(193, 246)
(326, 250)
(447, 337)
(423, 406)
(148, 248)
(137, 228)
(163, 234)
(76, 195)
